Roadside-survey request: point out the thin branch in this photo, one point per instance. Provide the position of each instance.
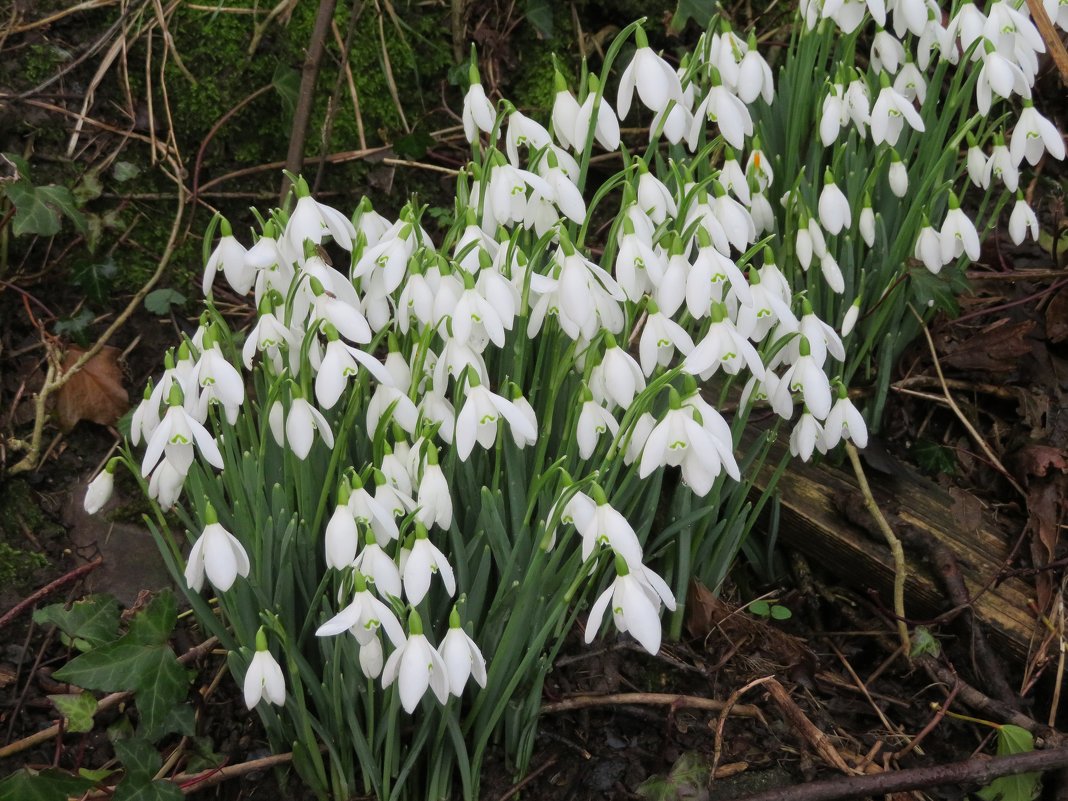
(31, 599)
(900, 565)
(648, 699)
(970, 771)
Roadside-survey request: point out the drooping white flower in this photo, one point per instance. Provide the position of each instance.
(958, 234)
(635, 598)
(477, 421)
(844, 422)
(661, 337)
(416, 667)
(653, 197)
(928, 248)
(600, 524)
(264, 678)
(898, 175)
(302, 423)
(218, 554)
(866, 224)
(680, 441)
(728, 112)
(165, 484)
(174, 437)
(852, 314)
(311, 221)
(1021, 221)
(722, 347)
(230, 256)
(1002, 167)
(805, 377)
(606, 125)
(594, 422)
(998, 76)
(806, 437)
(462, 657)
(618, 378)
(1034, 134)
(655, 80)
(339, 365)
(377, 567)
(889, 115)
(433, 496)
(833, 206)
(478, 114)
(342, 534)
(99, 490)
(976, 164)
(363, 617)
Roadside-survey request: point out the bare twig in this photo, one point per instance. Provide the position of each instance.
(900, 566)
(648, 699)
(306, 97)
(31, 599)
(971, 771)
(994, 460)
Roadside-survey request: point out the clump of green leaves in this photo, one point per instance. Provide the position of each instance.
(133, 658)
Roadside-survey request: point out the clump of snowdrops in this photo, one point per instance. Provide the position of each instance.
(403, 481)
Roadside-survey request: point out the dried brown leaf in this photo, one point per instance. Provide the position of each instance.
(998, 348)
(95, 392)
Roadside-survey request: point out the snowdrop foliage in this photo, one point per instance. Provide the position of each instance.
(454, 435)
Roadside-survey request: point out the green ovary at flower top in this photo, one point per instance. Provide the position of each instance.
(449, 431)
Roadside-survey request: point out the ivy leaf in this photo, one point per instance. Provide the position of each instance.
(77, 709)
(540, 15)
(138, 757)
(89, 622)
(163, 686)
(46, 785)
(130, 789)
(159, 301)
(95, 279)
(38, 208)
(125, 171)
(113, 667)
(153, 624)
(89, 187)
(286, 81)
(700, 11)
(1022, 787)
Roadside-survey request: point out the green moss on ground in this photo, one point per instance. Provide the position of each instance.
(19, 514)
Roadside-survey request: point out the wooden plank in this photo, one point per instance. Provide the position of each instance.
(813, 522)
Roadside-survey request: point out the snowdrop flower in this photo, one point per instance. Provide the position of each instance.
(833, 206)
(220, 382)
(264, 678)
(522, 130)
(754, 75)
(461, 656)
(655, 80)
(268, 336)
(976, 163)
(230, 255)
(618, 378)
(832, 273)
(390, 404)
(601, 524)
(653, 197)
(342, 535)
(661, 337)
(1021, 220)
(339, 365)
(218, 554)
(1034, 133)
(605, 127)
(887, 53)
(1001, 166)
(165, 484)
(639, 265)
(805, 377)
(594, 421)
(639, 435)
(928, 248)
(852, 314)
(435, 501)
(998, 76)
(311, 221)
(728, 112)
(723, 346)
(174, 438)
(1057, 11)
(710, 275)
(806, 437)
(146, 416)
(478, 114)
(565, 114)
(635, 598)
(958, 234)
(844, 422)
(363, 617)
(858, 103)
(910, 83)
(478, 418)
(866, 223)
(680, 441)
(302, 423)
(833, 115)
(889, 115)
(100, 488)
(371, 511)
(822, 339)
(898, 175)
(377, 567)
(416, 667)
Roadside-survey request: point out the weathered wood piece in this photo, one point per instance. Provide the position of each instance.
(815, 521)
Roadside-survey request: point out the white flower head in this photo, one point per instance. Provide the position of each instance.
(218, 554)
(416, 667)
(264, 678)
(462, 657)
(635, 598)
